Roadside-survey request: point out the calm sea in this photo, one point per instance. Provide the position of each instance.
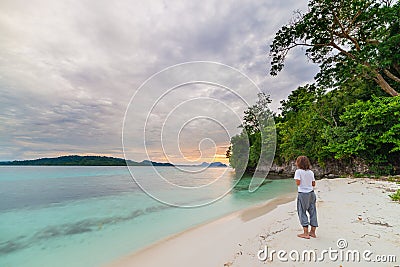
(90, 216)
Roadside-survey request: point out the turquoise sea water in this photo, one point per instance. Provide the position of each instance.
(90, 216)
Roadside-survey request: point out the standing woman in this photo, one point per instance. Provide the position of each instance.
(306, 197)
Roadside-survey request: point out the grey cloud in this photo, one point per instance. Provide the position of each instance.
(68, 69)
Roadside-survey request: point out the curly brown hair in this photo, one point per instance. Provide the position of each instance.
(302, 162)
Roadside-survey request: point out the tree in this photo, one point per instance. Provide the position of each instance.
(348, 38)
(369, 130)
(300, 99)
(239, 154)
(300, 127)
(309, 116)
(257, 139)
(257, 114)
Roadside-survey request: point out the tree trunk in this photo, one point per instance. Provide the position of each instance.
(384, 85)
(391, 76)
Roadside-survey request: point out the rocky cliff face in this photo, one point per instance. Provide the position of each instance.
(330, 169)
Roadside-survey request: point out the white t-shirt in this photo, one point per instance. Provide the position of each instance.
(306, 178)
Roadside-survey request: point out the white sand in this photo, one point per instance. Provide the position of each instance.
(357, 210)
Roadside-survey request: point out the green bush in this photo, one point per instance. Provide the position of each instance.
(395, 196)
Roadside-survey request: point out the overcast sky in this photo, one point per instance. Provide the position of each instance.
(68, 70)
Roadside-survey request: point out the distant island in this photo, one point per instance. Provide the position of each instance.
(75, 160)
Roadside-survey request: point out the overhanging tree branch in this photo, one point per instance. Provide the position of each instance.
(348, 27)
(391, 75)
(384, 84)
(345, 33)
(353, 20)
(342, 50)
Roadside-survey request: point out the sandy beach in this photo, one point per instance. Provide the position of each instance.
(356, 217)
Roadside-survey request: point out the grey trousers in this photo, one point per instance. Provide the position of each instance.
(306, 203)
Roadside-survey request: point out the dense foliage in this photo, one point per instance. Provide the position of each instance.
(349, 39)
(338, 125)
(352, 112)
(369, 130)
(257, 139)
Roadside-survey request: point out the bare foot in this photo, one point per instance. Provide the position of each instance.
(306, 236)
(312, 235)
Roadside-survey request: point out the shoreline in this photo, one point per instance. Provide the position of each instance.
(240, 216)
(358, 210)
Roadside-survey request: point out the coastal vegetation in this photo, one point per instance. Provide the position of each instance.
(75, 160)
(72, 160)
(351, 113)
(395, 196)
